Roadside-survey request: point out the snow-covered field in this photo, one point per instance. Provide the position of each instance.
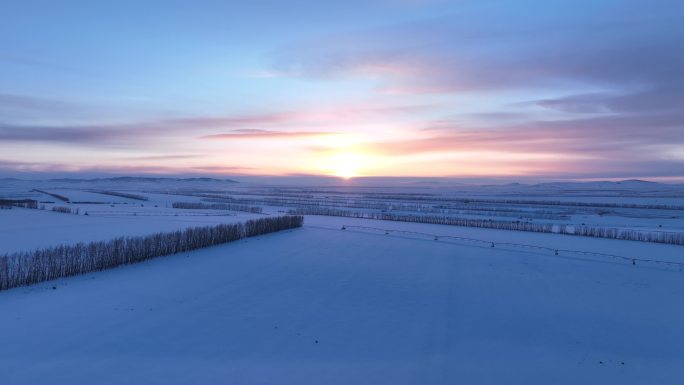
(24, 229)
(377, 303)
(319, 306)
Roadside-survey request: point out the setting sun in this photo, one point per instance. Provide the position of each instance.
(345, 165)
(346, 172)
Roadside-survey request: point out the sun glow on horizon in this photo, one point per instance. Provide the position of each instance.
(345, 165)
(346, 172)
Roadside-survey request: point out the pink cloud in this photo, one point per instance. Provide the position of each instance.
(263, 134)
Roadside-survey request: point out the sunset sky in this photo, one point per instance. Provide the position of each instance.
(462, 88)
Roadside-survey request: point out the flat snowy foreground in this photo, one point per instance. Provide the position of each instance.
(18, 227)
(325, 306)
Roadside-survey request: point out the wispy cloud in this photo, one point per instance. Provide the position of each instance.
(483, 48)
(8, 101)
(240, 126)
(164, 157)
(53, 167)
(263, 134)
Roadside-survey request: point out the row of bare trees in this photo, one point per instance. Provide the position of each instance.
(673, 238)
(24, 203)
(54, 195)
(62, 209)
(217, 206)
(25, 268)
(394, 206)
(527, 202)
(120, 194)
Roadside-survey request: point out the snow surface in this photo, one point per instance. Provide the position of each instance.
(629, 249)
(26, 229)
(321, 305)
(327, 306)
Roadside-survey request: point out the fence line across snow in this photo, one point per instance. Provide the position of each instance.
(673, 238)
(633, 260)
(25, 268)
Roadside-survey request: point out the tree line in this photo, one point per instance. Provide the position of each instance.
(528, 202)
(217, 206)
(24, 203)
(25, 268)
(328, 202)
(62, 209)
(120, 194)
(54, 195)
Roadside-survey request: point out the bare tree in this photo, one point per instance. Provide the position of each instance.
(25, 268)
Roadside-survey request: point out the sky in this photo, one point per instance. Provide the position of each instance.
(524, 89)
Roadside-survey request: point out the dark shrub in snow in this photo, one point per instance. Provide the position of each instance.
(60, 209)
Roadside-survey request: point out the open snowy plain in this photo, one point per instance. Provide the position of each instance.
(349, 299)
